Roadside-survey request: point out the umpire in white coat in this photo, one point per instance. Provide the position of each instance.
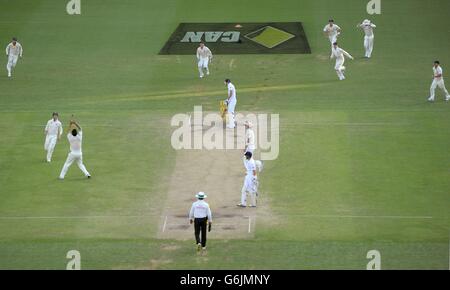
(200, 216)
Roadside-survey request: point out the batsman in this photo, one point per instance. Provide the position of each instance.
(250, 181)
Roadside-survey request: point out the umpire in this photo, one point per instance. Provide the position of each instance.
(200, 215)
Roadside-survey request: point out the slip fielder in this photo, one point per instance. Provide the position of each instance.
(438, 81)
(13, 51)
(339, 54)
(53, 131)
(204, 56)
(368, 27)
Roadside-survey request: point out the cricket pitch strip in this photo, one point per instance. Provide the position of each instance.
(220, 174)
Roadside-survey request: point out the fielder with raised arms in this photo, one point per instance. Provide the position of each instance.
(75, 155)
(368, 27)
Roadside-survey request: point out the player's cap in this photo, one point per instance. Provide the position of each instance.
(366, 22)
(436, 61)
(55, 114)
(227, 81)
(335, 43)
(248, 154)
(331, 20)
(14, 38)
(248, 123)
(201, 195)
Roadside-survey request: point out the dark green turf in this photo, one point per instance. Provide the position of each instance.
(362, 149)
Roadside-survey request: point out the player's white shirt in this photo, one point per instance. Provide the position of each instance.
(368, 28)
(436, 72)
(331, 31)
(200, 209)
(75, 142)
(339, 53)
(14, 50)
(231, 89)
(53, 127)
(250, 139)
(250, 166)
(203, 53)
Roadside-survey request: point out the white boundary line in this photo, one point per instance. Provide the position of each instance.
(145, 216)
(362, 216)
(249, 224)
(230, 66)
(164, 225)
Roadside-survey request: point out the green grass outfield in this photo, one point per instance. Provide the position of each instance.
(352, 153)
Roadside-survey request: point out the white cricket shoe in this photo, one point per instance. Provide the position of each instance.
(9, 75)
(430, 99)
(447, 98)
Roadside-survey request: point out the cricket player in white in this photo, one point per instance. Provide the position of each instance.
(339, 54)
(53, 131)
(249, 137)
(75, 137)
(204, 56)
(250, 143)
(438, 81)
(332, 31)
(250, 181)
(368, 27)
(13, 51)
(231, 103)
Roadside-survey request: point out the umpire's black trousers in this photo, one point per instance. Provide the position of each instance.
(200, 226)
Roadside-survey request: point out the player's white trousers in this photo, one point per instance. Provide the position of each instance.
(339, 67)
(368, 45)
(250, 187)
(12, 61)
(333, 38)
(74, 157)
(230, 112)
(203, 64)
(49, 145)
(440, 84)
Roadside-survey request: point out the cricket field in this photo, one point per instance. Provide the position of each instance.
(363, 164)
